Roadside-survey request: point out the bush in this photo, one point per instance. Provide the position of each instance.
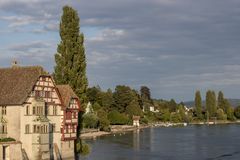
(103, 121)
(134, 109)
(90, 121)
(175, 117)
(237, 112)
(117, 118)
(96, 106)
(165, 115)
(143, 120)
(7, 139)
(230, 114)
(83, 148)
(221, 115)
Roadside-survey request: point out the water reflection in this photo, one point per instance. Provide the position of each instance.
(192, 142)
(136, 140)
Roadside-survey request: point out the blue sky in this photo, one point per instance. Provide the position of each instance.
(172, 46)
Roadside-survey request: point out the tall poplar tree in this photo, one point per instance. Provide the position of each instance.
(211, 103)
(198, 104)
(70, 57)
(214, 104)
(221, 100)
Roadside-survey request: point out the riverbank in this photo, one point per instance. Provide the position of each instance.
(92, 134)
(114, 129)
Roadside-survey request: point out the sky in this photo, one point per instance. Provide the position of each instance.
(174, 47)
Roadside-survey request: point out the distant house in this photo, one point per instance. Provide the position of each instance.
(37, 113)
(136, 121)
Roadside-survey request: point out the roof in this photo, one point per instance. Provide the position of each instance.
(16, 83)
(136, 117)
(66, 93)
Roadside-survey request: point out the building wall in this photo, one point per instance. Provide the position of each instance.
(13, 150)
(68, 150)
(13, 121)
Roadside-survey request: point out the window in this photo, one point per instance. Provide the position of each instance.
(27, 129)
(54, 110)
(27, 110)
(53, 127)
(34, 110)
(66, 128)
(4, 110)
(3, 129)
(73, 129)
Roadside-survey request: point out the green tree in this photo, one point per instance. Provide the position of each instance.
(175, 117)
(103, 120)
(198, 104)
(172, 105)
(93, 94)
(117, 118)
(221, 100)
(122, 96)
(70, 57)
(90, 121)
(165, 115)
(229, 110)
(211, 103)
(145, 93)
(221, 115)
(107, 99)
(237, 112)
(134, 109)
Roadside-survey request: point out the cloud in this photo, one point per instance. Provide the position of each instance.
(172, 46)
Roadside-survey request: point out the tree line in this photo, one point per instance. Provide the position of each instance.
(215, 107)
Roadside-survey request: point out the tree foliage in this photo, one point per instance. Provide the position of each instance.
(90, 121)
(211, 103)
(237, 112)
(117, 118)
(221, 100)
(70, 57)
(122, 96)
(198, 104)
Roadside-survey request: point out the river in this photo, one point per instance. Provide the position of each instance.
(195, 142)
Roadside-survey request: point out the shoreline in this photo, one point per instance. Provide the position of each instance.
(128, 128)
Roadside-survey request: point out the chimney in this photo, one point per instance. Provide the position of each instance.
(14, 63)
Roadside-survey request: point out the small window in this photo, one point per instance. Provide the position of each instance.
(53, 127)
(54, 110)
(27, 129)
(66, 128)
(34, 110)
(27, 110)
(4, 129)
(73, 129)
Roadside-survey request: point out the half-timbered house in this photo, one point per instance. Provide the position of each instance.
(34, 111)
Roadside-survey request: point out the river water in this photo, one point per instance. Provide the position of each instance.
(196, 142)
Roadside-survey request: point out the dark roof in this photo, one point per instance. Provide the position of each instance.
(66, 93)
(16, 83)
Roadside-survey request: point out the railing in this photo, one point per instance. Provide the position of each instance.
(57, 152)
(24, 155)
